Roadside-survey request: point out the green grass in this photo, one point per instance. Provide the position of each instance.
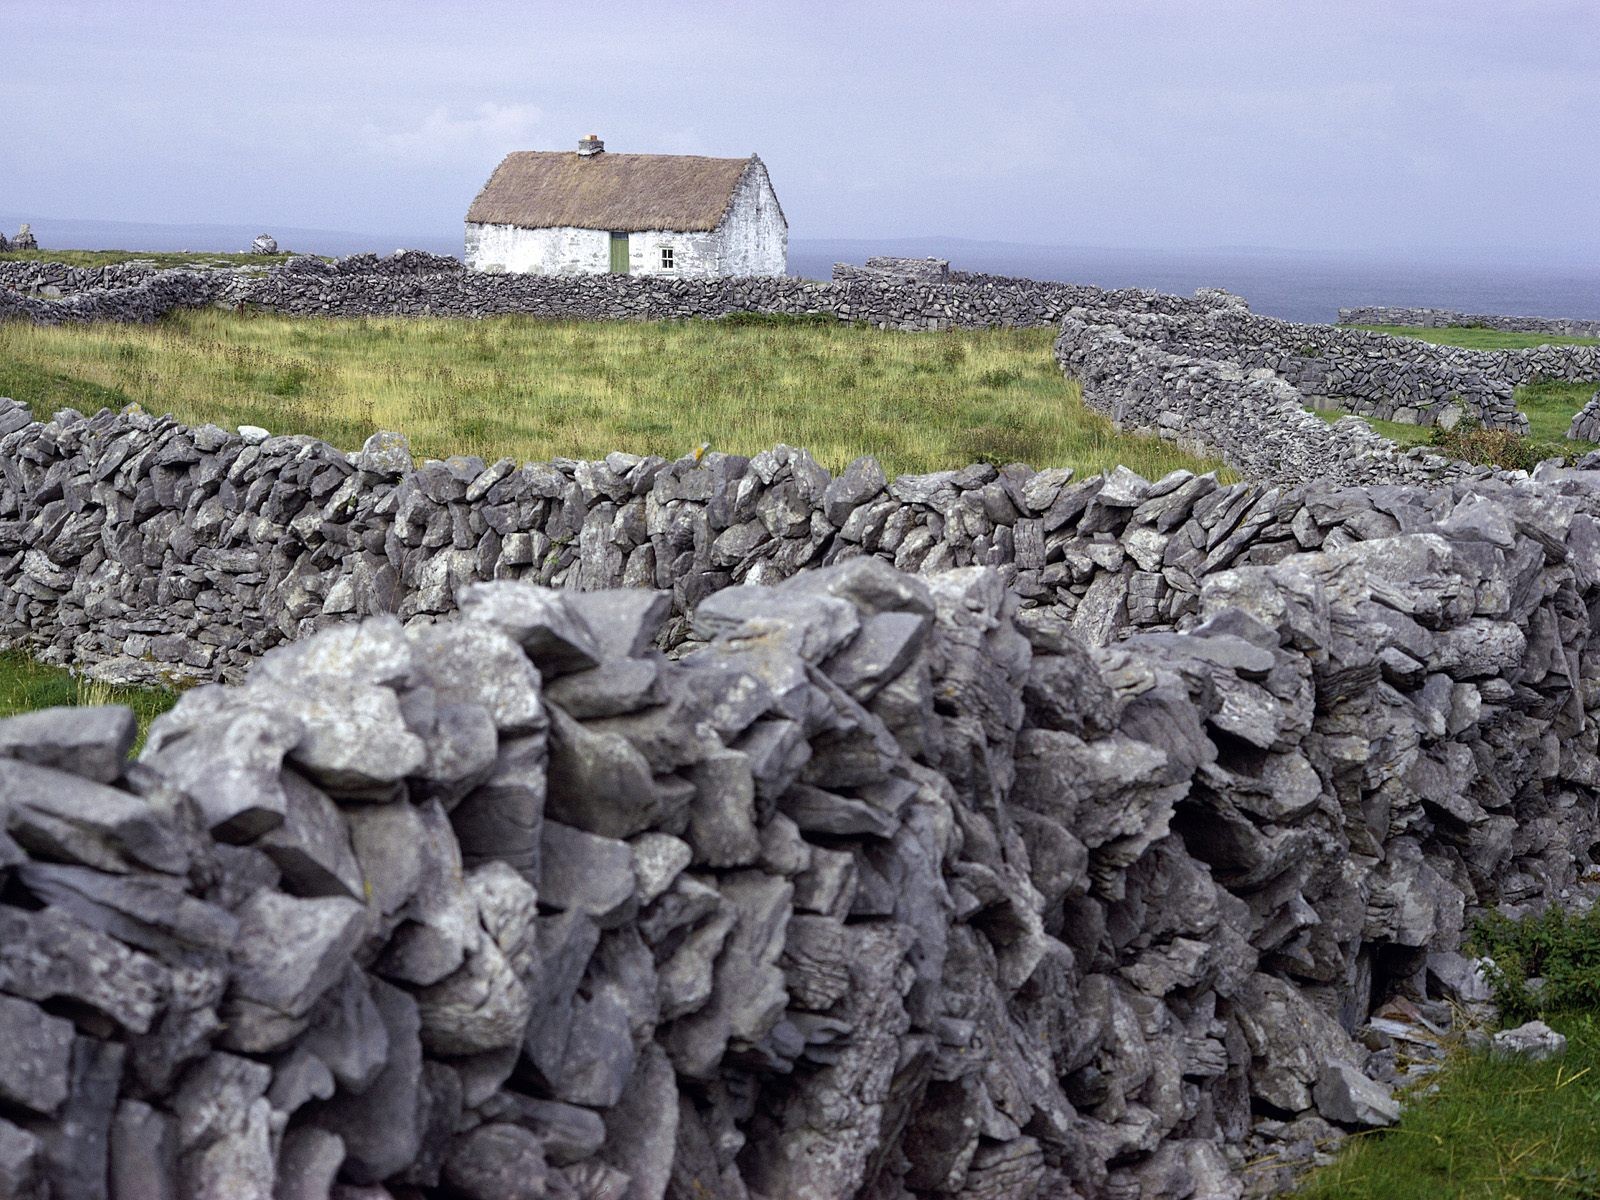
(1551, 405)
(534, 390)
(160, 258)
(26, 685)
(1493, 1131)
(1475, 338)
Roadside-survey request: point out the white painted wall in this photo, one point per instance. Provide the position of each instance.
(755, 236)
(753, 239)
(564, 251)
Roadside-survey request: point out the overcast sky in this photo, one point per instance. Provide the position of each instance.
(1331, 125)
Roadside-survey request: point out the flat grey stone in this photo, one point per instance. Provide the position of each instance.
(539, 620)
(228, 762)
(382, 1125)
(1532, 1042)
(624, 621)
(616, 687)
(642, 1127)
(151, 912)
(373, 652)
(347, 1033)
(502, 817)
(722, 816)
(485, 1004)
(473, 662)
(21, 1155)
(1343, 1094)
(57, 815)
(35, 1070)
(569, 1133)
(46, 955)
(312, 846)
(77, 1144)
(308, 1163)
(354, 740)
(598, 781)
(658, 859)
(290, 951)
(144, 1153)
(384, 453)
(585, 872)
(497, 1161)
(885, 646)
(91, 742)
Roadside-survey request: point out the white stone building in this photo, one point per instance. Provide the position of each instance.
(549, 212)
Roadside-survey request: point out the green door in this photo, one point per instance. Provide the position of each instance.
(619, 254)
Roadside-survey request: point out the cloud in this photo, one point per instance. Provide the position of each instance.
(446, 135)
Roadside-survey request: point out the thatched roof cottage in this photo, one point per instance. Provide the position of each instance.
(549, 212)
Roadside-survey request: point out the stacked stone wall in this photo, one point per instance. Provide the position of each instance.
(885, 889)
(144, 548)
(1251, 417)
(414, 283)
(1435, 318)
(1373, 374)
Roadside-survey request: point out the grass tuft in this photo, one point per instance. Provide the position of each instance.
(26, 684)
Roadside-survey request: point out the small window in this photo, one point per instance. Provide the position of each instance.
(666, 258)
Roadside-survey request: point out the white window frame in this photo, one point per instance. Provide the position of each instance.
(669, 258)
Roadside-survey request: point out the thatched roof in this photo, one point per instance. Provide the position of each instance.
(545, 189)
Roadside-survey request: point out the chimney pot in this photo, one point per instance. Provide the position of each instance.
(589, 146)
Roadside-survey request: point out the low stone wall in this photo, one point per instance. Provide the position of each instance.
(1372, 374)
(1433, 318)
(1253, 418)
(885, 890)
(414, 283)
(1585, 425)
(142, 548)
(133, 298)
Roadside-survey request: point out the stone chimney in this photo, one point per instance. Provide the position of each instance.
(589, 146)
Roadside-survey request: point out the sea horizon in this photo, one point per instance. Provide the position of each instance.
(1297, 285)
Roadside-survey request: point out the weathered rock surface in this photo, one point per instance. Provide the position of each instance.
(883, 885)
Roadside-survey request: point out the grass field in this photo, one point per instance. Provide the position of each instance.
(26, 685)
(1493, 1131)
(1474, 338)
(160, 258)
(534, 390)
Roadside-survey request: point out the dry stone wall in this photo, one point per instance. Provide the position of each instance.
(1585, 425)
(1373, 374)
(141, 548)
(1431, 318)
(885, 889)
(414, 283)
(1252, 417)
